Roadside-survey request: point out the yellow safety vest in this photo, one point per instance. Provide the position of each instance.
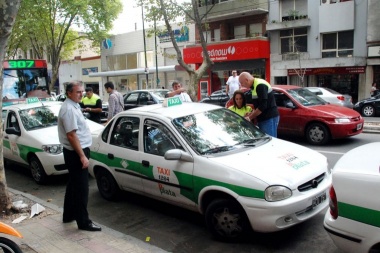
(256, 82)
(90, 101)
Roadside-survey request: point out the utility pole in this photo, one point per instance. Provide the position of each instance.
(146, 63)
(155, 51)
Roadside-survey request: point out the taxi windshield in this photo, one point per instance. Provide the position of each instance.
(218, 131)
(38, 117)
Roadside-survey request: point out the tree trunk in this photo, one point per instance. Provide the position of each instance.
(8, 13)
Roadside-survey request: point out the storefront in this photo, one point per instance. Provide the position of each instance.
(344, 80)
(251, 55)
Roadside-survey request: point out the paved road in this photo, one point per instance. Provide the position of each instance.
(178, 230)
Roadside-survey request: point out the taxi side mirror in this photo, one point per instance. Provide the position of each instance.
(178, 154)
(12, 130)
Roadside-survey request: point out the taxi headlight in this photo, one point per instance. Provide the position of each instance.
(342, 120)
(53, 148)
(277, 193)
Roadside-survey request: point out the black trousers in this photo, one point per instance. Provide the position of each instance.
(76, 196)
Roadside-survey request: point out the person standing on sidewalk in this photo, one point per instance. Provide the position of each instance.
(233, 84)
(75, 136)
(264, 102)
(115, 101)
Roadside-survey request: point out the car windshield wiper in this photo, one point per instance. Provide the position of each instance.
(217, 150)
(250, 142)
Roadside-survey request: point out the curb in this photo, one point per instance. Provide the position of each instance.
(371, 128)
(49, 234)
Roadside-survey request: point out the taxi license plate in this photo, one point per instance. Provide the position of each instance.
(359, 126)
(319, 199)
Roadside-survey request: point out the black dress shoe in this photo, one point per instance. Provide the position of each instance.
(91, 227)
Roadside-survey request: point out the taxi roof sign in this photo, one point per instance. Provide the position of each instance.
(32, 100)
(173, 101)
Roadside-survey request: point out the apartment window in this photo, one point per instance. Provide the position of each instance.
(240, 32)
(211, 2)
(293, 40)
(340, 44)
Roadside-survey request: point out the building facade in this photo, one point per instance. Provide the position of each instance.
(124, 63)
(236, 40)
(320, 43)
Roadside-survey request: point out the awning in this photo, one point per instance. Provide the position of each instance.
(125, 72)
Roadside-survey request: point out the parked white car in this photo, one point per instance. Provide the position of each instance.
(30, 138)
(332, 96)
(353, 219)
(210, 160)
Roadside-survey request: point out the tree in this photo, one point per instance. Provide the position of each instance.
(169, 11)
(49, 26)
(8, 13)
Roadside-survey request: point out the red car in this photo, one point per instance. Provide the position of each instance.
(302, 113)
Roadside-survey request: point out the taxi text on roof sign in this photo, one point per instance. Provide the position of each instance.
(32, 100)
(168, 102)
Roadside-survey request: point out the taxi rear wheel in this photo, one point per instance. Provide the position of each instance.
(226, 220)
(37, 170)
(107, 185)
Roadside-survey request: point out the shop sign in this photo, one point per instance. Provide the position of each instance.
(180, 35)
(244, 50)
(374, 51)
(328, 71)
(86, 71)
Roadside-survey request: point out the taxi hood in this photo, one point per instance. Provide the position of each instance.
(48, 135)
(277, 162)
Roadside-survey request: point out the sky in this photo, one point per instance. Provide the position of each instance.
(130, 18)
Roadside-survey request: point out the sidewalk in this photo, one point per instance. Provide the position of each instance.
(49, 235)
(371, 126)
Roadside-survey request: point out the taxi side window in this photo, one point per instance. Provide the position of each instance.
(12, 121)
(158, 139)
(126, 132)
(106, 132)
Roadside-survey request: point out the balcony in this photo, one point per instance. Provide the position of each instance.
(234, 9)
(288, 23)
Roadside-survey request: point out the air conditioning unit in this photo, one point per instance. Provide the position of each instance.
(325, 2)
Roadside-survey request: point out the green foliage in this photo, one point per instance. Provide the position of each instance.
(167, 13)
(51, 27)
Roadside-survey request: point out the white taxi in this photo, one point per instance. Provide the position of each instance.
(30, 137)
(210, 160)
(353, 219)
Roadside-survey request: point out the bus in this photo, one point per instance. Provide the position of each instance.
(23, 78)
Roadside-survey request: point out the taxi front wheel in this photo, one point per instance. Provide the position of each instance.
(226, 220)
(107, 185)
(37, 170)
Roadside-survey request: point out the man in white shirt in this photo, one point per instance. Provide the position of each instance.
(232, 84)
(180, 92)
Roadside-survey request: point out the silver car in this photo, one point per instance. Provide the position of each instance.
(332, 96)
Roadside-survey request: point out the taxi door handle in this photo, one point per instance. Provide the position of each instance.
(110, 156)
(145, 163)
(6, 137)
